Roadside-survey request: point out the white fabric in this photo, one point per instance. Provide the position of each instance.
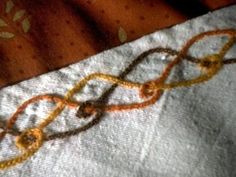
(188, 132)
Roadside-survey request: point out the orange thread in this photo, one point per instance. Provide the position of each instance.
(32, 139)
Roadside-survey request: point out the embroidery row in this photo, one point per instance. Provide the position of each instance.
(32, 139)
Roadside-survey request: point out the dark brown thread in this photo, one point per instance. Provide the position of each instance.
(32, 139)
(81, 113)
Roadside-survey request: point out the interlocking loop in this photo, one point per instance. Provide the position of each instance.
(87, 109)
(146, 90)
(211, 62)
(31, 140)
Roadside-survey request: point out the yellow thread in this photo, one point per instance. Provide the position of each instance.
(215, 62)
(106, 77)
(79, 86)
(31, 140)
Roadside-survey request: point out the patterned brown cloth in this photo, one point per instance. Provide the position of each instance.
(37, 36)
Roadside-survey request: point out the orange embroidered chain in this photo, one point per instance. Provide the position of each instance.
(30, 141)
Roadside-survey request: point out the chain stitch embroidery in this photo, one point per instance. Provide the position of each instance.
(30, 140)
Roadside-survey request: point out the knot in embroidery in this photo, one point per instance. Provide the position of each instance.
(29, 139)
(211, 63)
(86, 109)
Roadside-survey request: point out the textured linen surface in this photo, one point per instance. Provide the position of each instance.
(188, 132)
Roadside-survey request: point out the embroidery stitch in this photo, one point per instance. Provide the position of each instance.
(32, 139)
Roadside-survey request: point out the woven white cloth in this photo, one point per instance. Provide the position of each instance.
(188, 132)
